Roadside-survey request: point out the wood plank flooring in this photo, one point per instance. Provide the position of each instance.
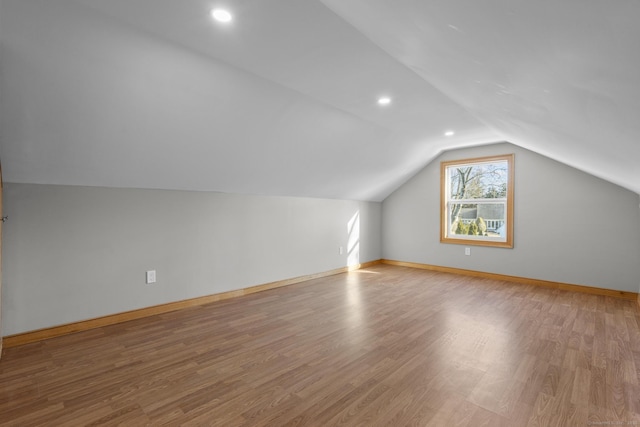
(382, 346)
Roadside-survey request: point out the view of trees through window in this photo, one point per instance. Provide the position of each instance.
(476, 199)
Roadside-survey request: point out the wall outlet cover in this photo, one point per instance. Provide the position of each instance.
(151, 276)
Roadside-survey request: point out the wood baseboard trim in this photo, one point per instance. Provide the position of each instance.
(84, 325)
(535, 282)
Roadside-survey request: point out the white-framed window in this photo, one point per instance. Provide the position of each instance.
(476, 201)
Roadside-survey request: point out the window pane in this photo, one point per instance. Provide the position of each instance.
(481, 219)
(478, 181)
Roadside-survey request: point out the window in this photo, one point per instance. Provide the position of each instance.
(476, 201)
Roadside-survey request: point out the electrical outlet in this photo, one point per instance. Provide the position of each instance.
(151, 276)
(467, 251)
(341, 250)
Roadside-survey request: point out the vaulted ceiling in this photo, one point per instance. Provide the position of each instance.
(283, 99)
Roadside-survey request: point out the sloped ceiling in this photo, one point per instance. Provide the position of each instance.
(282, 101)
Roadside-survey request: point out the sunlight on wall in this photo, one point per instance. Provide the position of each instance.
(353, 242)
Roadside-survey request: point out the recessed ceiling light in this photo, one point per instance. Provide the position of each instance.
(385, 100)
(221, 15)
(449, 133)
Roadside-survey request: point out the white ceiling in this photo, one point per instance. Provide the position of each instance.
(154, 94)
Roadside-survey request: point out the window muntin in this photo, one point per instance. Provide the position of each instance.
(477, 201)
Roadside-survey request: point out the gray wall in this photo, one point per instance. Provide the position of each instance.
(74, 253)
(570, 227)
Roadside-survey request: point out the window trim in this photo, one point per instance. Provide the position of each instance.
(475, 240)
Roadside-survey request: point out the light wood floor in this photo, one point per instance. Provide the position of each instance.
(383, 346)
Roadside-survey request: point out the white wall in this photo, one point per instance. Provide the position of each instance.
(570, 227)
(74, 253)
